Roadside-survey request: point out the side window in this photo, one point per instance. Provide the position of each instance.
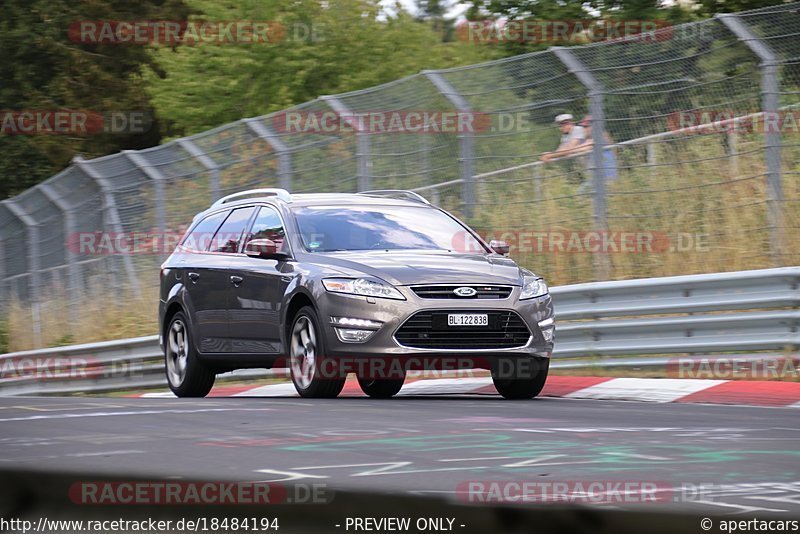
(268, 226)
(199, 238)
(229, 234)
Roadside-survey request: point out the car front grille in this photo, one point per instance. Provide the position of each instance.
(446, 292)
(429, 330)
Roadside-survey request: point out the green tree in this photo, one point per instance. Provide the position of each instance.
(560, 10)
(710, 7)
(435, 13)
(42, 69)
(328, 48)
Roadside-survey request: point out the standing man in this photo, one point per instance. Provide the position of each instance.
(609, 158)
(572, 136)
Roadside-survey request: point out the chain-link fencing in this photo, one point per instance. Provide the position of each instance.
(690, 165)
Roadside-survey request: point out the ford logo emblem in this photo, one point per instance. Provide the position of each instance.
(465, 292)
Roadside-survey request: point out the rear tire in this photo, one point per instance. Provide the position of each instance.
(187, 376)
(520, 378)
(307, 358)
(381, 388)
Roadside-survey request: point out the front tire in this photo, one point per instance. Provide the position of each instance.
(187, 376)
(520, 378)
(381, 388)
(307, 358)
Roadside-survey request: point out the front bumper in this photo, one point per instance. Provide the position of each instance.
(393, 313)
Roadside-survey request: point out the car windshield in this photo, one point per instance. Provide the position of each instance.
(342, 228)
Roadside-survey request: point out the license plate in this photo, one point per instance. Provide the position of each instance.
(467, 319)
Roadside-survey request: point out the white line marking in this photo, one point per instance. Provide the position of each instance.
(744, 509)
(476, 459)
(285, 389)
(386, 467)
(644, 389)
(389, 469)
(536, 461)
(642, 456)
(103, 453)
(442, 386)
(142, 412)
(290, 475)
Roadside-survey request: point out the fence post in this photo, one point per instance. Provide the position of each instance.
(32, 230)
(363, 155)
(4, 292)
(733, 150)
(158, 186)
(206, 161)
(277, 144)
(537, 181)
(772, 137)
(650, 148)
(596, 108)
(70, 229)
(425, 143)
(110, 214)
(436, 198)
(466, 146)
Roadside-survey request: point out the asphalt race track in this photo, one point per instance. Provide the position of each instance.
(702, 458)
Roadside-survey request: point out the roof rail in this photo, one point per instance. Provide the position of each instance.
(396, 193)
(282, 194)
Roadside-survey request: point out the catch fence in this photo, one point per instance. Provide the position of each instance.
(656, 194)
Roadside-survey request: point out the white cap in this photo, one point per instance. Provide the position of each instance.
(563, 117)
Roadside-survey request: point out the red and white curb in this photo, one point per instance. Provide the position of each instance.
(740, 392)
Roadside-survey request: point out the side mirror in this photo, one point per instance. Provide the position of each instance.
(500, 247)
(264, 248)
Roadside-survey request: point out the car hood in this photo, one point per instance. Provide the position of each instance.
(404, 268)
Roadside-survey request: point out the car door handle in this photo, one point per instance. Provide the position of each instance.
(236, 280)
(194, 276)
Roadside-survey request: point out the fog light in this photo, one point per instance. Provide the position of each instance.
(548, 334)
(548, 328)
(352, 335)
(353, 322)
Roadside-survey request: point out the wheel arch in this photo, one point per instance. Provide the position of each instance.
(299, 300)
(172, 309)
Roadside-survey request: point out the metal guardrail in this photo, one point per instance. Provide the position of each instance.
(125, 364)
(707, 313)
(720, 312)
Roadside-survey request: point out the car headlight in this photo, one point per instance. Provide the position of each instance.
(362, 286)
(533, 287)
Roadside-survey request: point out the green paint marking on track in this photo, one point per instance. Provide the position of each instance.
(444, 442)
